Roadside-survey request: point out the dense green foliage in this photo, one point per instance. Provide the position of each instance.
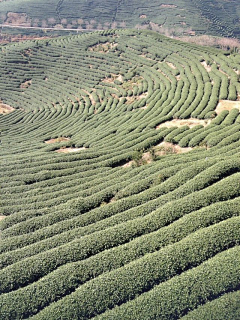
(216, 17)
(124, 227)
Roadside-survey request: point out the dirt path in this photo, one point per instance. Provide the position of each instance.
(192, 122)
(227, 105)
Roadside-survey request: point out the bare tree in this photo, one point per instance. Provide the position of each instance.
(51, 21)
(44, 24)
(64, 21)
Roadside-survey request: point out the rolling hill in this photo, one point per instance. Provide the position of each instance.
(120, 178)
(189, 17)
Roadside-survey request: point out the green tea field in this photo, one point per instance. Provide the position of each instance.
(173, 17)
(120, 178)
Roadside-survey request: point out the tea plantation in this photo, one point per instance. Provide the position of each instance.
(120, 179)
(214, 17)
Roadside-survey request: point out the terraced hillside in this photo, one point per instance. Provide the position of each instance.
(120, 179)
(215, 17)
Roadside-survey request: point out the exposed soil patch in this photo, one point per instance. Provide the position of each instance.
(168, 6)
(164, 74)
(165, 148)
(113, 78)
(5, 109)
(206, 66)
(171, 65)
(147, 157)
(93, 102)
(69, 150)
(103, 47)
(115, 96)
(142, 16)
(227, 105)
(141, 159)
(128, 164)
(130, 84)
(26, 84)
(131, 99)
(136, 98)
(162, 149)
(224, 73)
(184, 122)
(57, 140)
(191, 33)
(126, 85)
(27, 53)
(143, 95)
(145, 57)
(2, 217)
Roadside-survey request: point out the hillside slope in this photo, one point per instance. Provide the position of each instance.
(215, 17)
(120, 179)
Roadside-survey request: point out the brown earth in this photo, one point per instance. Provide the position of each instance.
(113, 78)
(183, 122)
(2, 217)
(60, 139)
(69, 150)
(171, 65)
(224, 73)
(143, 95)
(164, 74)
(93, 102)
(147, 157)
(128, 164)
(162, 149)
(136, 98)
(145, 57)
(103, 47)
(5, 109)
(227, 105)
(168, 148)
(168, 5)
(135, 81)
(26, 84)
(206, 66)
